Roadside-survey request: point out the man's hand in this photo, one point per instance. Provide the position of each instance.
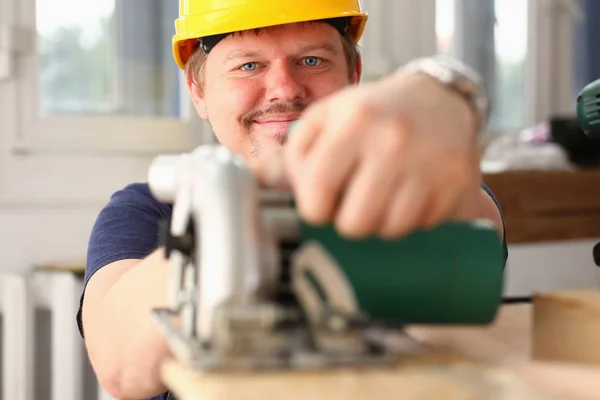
(382, 158)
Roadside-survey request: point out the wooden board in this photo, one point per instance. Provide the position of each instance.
(506, 340)
(406, 382)
(462, 363)
(540, 206)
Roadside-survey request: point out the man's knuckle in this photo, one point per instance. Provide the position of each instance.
(363, 109)
(315, 198)
(394, 140)
(313, 215)
(349, 229)
(311, 207)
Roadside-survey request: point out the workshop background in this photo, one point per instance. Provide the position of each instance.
(89, 94)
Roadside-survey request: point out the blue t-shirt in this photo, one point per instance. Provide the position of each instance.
(128, 228)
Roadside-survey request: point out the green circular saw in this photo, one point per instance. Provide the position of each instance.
(588, 109)
(588, 114)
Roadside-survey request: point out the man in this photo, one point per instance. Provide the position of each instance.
(380, 158)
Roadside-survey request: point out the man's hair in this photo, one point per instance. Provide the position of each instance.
(196, 64)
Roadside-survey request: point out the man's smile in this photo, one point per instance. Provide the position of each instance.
(276, 123)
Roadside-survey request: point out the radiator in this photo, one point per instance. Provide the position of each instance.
(21, 294)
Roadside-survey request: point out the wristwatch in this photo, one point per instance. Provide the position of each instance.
(459, 77)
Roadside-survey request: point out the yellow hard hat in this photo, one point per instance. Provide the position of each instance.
(202, 18)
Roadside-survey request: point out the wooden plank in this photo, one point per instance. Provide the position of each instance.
(393, 383)
(506, 340)
(531, 381)
(480, 369)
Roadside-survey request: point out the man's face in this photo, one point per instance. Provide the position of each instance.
(256, 84)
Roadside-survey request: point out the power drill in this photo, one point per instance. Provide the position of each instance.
(588, 109)
(588, 114)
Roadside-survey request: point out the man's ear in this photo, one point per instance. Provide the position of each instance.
(197, 96)
(357, 74)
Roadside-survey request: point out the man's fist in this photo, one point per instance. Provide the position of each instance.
(382, 158)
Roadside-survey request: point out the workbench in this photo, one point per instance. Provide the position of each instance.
(505, 343)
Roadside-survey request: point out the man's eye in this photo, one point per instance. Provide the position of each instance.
(251, 66)
(312, 61)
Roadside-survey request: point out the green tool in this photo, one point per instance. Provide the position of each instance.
(588, 113)
(451, 274)
(588, 109)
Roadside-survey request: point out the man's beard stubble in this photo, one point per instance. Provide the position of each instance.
(277, 108)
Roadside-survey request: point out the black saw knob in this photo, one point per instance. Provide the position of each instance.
(184, 244)
(597, 254)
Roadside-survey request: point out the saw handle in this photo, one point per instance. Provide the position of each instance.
(451, 274)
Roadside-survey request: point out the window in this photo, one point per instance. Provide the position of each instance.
(100, 57)
(102, 78)
(490, 36)
(76, 48)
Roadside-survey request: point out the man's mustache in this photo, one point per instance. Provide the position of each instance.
(276, 108)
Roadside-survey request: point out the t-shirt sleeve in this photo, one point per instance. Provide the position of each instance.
(126, 228)
(504, 243)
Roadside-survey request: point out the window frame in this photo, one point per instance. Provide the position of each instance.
(112, 135)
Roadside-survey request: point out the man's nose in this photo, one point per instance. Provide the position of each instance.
(283, 83)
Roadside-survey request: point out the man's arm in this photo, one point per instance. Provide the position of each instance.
(123, 341)
(125, 278)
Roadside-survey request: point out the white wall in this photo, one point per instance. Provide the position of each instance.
(551, 266)
(48, 204)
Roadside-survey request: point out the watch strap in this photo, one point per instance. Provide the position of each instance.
(459, 77)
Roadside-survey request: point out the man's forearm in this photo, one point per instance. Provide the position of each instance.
(124, 342)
